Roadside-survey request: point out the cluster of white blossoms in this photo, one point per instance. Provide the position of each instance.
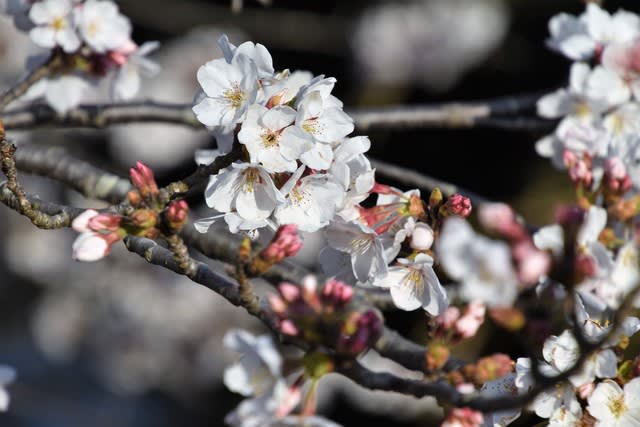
(92, 39)
(258, 375)
(597, 139)
(300, 166)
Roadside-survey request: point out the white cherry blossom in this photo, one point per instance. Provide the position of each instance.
(483, 266)
(244, 188)
(363, 245)
(261, 133)
(229, 88)
(54, 25)
(126, 83)
(255, 51)
(414, 284)
(613, 406)
(101, 25)
(310, 203)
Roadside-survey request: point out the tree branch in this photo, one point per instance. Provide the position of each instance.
(493, 113)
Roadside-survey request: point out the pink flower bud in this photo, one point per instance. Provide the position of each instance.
(336, 292)
(496, 216)
(459, 205)
(614, 168)
(447, 319)
(276, 303)
(176, 214)
(463, 417)
(385, 189)
(421, 237)
(569, 158)
(585, 265)
(288, 328)
(532, 262)
(468, 325)
(142, 178)
(286, 243)
(105, 222)
(585, 390)
(289, 291)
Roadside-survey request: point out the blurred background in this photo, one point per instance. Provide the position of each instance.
(124, 343)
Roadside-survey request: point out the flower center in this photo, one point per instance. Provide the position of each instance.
(59, 23)
(616, 406)
(270, 139)
(414, 279)
(92, 29)
(251, 177)
(235, 96)
(311, 126)
(360, 245)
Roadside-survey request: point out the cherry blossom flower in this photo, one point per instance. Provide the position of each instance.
(310, 203)
(54, 25)
(244, 188)
(256, 52)
(363, 245)
(261, 132)
(483, 266)
(62, 92)
(229, 90)
(101, 25)
(414, 284)
(613, 406)
(126, 83)
(579, 38)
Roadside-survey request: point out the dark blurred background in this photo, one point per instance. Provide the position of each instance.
(124, 343)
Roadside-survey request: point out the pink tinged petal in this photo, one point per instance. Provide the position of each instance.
(81, 222)
(89, 247)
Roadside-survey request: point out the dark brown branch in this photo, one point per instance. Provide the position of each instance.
(412, 178)
(496, 113)
(54, 163)
(51, 215)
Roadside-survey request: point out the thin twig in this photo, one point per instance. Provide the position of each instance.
(412, 178)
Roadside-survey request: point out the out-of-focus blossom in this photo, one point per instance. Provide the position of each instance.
(7, 376)
(418, 44)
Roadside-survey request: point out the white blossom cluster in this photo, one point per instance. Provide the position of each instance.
(598, 135)
(258, 375)
(95, 38)
(301, 167)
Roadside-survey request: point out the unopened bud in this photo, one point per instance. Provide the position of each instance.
(177, 213)
(143, 218)
(459, 205)
(142, 178)
(436, 356)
